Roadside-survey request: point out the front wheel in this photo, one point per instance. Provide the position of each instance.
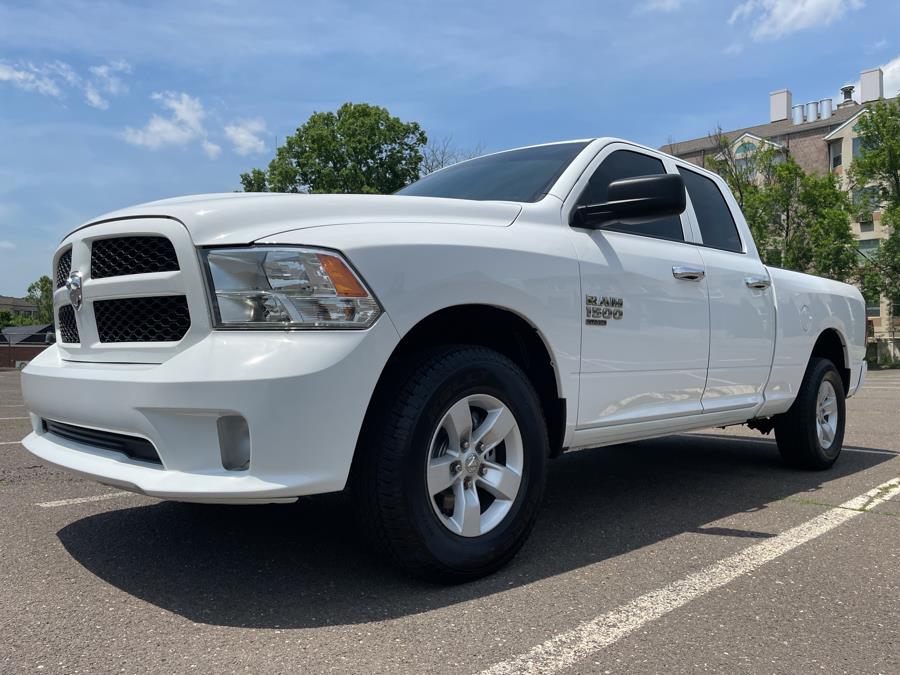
(811, 434)
(452, 464)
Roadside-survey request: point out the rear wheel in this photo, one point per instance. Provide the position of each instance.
(452, 464)
(811, 434)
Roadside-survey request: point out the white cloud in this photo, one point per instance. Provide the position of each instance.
(28, 79)
(245, 136)
(183, 125)
(733, 49)
(661, 5)
(777, 18)
(891, 77)
(52, 78)
(5, 244)
(106, 79)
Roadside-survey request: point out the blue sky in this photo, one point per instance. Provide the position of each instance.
(108, 103)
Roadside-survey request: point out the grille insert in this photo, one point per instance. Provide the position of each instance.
(155, 319)
(68, 329)
(132, 255)
(63, 268)
(131, 446)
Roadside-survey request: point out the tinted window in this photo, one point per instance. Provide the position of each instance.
(713, 215)
(517, 175)
(626, 164)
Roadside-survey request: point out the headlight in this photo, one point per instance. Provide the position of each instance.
(287, 287)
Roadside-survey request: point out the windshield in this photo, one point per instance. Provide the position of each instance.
(516, 175)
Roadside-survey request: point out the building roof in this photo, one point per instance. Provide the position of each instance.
(8, 301)
(769, 130)
(16, 334)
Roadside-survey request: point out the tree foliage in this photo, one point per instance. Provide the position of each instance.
(878, 167)
(799, 221)
(361, 148)
(40, 293)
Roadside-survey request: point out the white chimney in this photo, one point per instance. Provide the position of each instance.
(872, 85)
(779, 105)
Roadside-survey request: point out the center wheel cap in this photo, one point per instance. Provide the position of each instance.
(471, 463)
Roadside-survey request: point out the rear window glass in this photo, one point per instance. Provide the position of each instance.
(713, 215)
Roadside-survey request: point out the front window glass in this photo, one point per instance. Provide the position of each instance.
(524, 175)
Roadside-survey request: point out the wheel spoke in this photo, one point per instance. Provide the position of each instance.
(830, 406)
(501, 481)
(440, 475)
(827, 433)
(458, 423)
(497, 426)
(466, 510)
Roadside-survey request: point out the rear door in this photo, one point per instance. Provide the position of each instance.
(741, 304)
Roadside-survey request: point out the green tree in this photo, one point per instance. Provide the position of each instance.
(878, 167)
(799, 221)
(879, 150)
(41, 294)
(360, 148)
(255, 181)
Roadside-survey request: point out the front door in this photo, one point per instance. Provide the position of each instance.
(645, 331)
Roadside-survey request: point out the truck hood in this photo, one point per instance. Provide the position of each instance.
(242, 218)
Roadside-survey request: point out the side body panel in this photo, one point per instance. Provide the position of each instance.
(806, 307)
(528, 268)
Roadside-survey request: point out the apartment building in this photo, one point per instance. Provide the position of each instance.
(18, 306)
(821, 137)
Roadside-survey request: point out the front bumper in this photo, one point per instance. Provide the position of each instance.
(303, 395)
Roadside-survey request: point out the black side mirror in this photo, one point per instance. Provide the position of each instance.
(640, 199)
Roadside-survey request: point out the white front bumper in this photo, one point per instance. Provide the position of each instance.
(303, 395)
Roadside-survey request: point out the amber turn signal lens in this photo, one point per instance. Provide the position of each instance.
(345, 282)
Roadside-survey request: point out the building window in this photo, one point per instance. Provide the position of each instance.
(856, 145)
(834, 151)
(866, 247)
(745, 148)
(873, 309)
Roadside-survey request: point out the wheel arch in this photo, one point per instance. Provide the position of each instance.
(831, 345)
(498, 328)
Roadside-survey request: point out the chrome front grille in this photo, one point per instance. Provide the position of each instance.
(118, 256)
(143, 293)
(155, 319)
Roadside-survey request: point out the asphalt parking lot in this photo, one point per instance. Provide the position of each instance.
(696, 552)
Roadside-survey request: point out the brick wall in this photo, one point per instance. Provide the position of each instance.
(9, 355)
(809, 150)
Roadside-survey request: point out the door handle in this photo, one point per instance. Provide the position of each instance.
(688, 273)
(758, 282)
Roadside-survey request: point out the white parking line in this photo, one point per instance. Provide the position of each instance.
(84, 500)
(10, 442)
(567, 649)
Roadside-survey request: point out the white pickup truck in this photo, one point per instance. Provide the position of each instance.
(431, 350)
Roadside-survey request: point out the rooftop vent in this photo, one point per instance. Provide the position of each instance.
(847, 91)
(797, 114)
(812, 111)
(826, 109)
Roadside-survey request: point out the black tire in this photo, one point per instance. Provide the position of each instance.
(796, 430)
(396, 442)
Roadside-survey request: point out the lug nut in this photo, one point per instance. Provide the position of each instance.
(482, 471)
(456, 467)
(465, 445)
(480, 447)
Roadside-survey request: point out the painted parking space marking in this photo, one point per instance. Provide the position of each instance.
(3, 419)
(569, 648)
(85, 500)
(10, 442)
